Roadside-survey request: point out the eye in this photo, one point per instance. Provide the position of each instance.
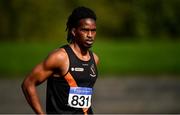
(88, 30)
(93, 30)
(85, 30)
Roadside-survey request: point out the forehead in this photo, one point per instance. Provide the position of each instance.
(87, 22)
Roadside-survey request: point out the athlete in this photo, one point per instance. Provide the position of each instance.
(70, 70)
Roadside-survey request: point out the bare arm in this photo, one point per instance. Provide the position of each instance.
(38, 75)
(96, 58)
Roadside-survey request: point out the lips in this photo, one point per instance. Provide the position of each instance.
(89, 41)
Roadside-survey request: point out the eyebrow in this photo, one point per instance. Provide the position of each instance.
(88, 29)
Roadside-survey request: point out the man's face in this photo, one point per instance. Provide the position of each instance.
(85, 32)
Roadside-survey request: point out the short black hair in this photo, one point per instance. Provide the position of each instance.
(73, 20)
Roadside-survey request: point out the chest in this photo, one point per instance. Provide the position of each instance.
(84, 72)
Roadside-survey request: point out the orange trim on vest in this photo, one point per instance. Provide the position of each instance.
(69, 78)
(85, 111)
(72, 83)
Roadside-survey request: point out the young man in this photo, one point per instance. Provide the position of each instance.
(70, 71)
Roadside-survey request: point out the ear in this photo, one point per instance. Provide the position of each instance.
(73, 31)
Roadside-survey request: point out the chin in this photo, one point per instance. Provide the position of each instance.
(88, 46)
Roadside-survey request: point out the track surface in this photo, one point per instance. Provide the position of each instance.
(112, 95)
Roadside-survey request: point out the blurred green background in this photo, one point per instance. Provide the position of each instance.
(134, 37)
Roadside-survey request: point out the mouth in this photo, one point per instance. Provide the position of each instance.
(89, 41)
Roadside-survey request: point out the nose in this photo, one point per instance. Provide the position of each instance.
(90, 34)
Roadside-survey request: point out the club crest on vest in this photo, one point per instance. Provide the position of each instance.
(92, 71)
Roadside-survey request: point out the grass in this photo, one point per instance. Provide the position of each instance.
(116, 57)
(19, 58)
(139, 57)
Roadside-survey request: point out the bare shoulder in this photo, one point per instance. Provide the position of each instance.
(56, 58)
(96, 58)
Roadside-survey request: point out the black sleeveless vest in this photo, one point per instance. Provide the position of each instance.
(80, 74)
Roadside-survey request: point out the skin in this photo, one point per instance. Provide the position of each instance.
(84, 35)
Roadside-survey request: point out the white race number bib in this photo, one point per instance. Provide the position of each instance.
(80, 97)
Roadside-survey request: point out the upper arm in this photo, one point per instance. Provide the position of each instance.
(96, 58)
(39, 74)
(42, 71)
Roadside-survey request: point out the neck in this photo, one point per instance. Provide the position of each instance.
(81, 52)
(79, 49)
